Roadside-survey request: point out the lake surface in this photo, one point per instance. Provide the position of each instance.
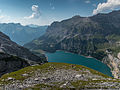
(66, 57)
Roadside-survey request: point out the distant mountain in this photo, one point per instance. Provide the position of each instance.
(97, 36)
(22, 34)
(34, 26)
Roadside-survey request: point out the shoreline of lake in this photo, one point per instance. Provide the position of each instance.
(108, 70)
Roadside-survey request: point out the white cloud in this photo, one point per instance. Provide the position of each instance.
(87, 1)
(1, 17)
(38, 21)
(5, 19)
(36, 13)
(109, 5)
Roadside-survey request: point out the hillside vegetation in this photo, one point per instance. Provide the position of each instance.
(57, 76)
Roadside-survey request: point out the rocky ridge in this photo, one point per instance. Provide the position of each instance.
(53, 76)
(14, 57)
(10, 47)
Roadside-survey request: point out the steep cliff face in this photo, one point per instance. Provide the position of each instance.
(114, 63)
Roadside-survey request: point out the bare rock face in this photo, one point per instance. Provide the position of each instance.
(118, 55)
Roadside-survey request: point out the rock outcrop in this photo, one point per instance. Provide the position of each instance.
(114, 63)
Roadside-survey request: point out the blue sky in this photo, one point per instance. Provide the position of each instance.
(44, 12)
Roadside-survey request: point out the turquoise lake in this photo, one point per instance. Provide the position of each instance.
(66, 57)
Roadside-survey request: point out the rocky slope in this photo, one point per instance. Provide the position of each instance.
(14, 57)
(57, 76)
(22, 34)
(10, 47)
(9, 63)
(114, 63)
(88, 36)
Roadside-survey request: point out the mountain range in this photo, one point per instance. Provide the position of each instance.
(33, 26)
(97, 36)
(22, 34)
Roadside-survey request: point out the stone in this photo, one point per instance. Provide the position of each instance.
(10, 78)
(25, 75)
(78, 76)
(36, 79)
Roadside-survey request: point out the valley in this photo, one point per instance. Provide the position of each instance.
(59, 44)
(95, 36)
(22, 34)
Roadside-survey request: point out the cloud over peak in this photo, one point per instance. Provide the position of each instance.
(109, 5)
(36, 13)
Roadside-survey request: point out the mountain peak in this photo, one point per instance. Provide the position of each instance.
(114, 12)
(76, 16)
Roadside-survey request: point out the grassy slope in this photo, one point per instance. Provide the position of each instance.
(50, 67)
